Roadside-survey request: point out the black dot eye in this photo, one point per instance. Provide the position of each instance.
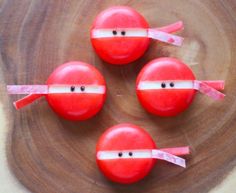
(120, 154)
(172, 84)
(163, 85)
(72, 88)
(123, 33)
(130, 153)
(114, 32)
(82, 88)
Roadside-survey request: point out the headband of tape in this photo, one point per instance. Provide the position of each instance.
(37, 91)
(209, 88)
(160, 34)
(167, 154)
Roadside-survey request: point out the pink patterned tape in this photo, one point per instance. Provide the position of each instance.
(27, 89)
(208, 90)
(168, 157)
(165, 37)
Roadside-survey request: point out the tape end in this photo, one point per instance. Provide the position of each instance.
(15, 104)
(181, 25)
(222, 85)
(98, 155)
(178, 151)
(222, 96)
(179, 41)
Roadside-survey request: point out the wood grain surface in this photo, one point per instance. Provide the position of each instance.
(48, 154)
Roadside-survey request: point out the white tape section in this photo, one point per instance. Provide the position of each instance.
(112, 33)
(141, 154)
(167, 84)
(55, 89)
(89, 89)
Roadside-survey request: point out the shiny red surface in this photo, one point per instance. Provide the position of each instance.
(76, 106)
(120, 50)
(165, 102)
(125, 137)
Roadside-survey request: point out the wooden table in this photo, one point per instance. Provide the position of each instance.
(48, 154)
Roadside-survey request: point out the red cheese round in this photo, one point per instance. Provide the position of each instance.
(120, 50)
(165, 102)
(125, 137)
(76, 106)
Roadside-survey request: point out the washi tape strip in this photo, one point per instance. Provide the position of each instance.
(210, 88)
(165, 37)
(146, 153)
(161, 34)
(26, 100)
(168, 157)
(27, 89)
(177, 150)
(176, 40)
(207, 90)
(174, 27)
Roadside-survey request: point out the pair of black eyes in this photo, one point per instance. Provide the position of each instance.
(72, 88)
(120, 154)
(115, 32)
(163, 85)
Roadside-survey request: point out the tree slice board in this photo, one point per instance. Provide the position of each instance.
(48, 154)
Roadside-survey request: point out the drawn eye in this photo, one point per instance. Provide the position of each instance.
(123, 33)
(163, 85)
(114, 32)
(120, 154)
(72, 88)
(82, 88)
(172, 84)
(130, 154)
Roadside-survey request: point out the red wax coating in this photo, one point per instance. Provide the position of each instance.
(120, 50)
(169, 100)
(125, 137)
(76, 106)
(165, 102)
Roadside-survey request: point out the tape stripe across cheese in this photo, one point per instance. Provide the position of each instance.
(148, 85)
(153, 33)
(201, 86)
(141, 154)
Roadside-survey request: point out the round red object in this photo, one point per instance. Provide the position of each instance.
(125, 137)
(166, 101)
(76, 106)
(120, 50)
